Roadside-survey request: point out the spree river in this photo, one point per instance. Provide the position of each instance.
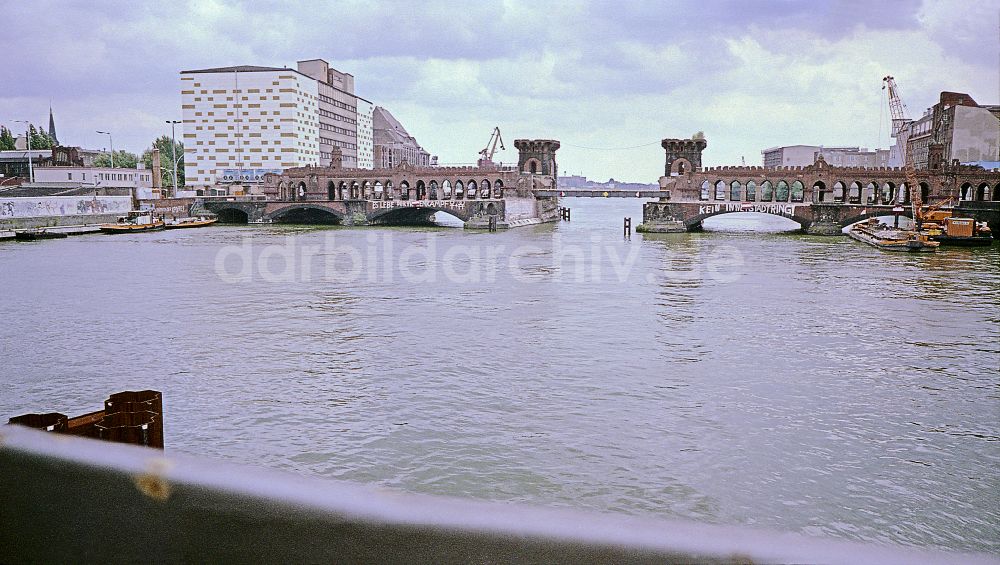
(736, 376)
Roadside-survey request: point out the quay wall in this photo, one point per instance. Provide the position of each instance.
(46, 211)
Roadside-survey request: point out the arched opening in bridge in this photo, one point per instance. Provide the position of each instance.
(965, 192)
(470, 190)
(484, 189)
(720, 190)
(300, 194)
(766, 191)
(417, 217)
(925, 192)
(341, 189)
(983, 192)
(459, 190)
(446, 189)
(307, 216)
(903, 194)
(705, 189)
(389, 194)
(781, 191)
(366, 189)
(404, 190)
(996, 193)
(854, 193)
(533, 166)
(838, 191)
(232, 216)
(819, 191)
(888, 193)
(331, 191)
(498, 188)
(355, 190)
(871, 193)
(421, 190)
(751, 191)
(282, 191)
(433, 190)
(379, 190)
(798, 191)
(735, 191)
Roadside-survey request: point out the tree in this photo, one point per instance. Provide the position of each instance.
(39, 139)
(123, 160)
(6, 139)
(166, 168)
(699, 135)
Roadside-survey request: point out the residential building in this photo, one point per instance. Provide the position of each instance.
(393, 144)
(241, 122)
(804, 155)
(956, 128)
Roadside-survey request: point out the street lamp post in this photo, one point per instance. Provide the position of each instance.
(111, 142)
(27, 136)
(173, 153)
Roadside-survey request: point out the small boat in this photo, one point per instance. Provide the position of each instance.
(36, 234)
(946, 229)
(195, 222)
(135, 221)
(889, 238)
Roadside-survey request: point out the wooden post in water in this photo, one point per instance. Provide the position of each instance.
(493, 224)
(564, 213)
(628, 228)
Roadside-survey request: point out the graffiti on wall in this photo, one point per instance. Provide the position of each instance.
(31, 207)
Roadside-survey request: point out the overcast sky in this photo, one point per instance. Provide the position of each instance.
(595, 75)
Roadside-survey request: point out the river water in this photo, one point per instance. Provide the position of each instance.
(740, 376)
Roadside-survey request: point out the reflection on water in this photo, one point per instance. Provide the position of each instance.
(781, 380)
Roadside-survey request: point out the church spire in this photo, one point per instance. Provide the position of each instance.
(52, 127)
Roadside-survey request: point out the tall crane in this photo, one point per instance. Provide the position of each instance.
(486, 153)
(899, 120)
(896, 107)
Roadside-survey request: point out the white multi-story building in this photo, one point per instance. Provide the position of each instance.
(366, 134)
(240, 122)
(804, 155)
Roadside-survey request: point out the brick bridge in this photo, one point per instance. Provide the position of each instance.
(406, 194)
(821, 198)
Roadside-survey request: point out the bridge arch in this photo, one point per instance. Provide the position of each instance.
(446, 189)
(705, 189)
(484, 188)
(403, 215)
(498, 188)
(888, 193)
(782, 210)
(854, 193)
(983, 192)
(839, 191)
(533, 166)
(720, 190)
(819, 191)
(965, 192)
(751, 191)
(232, 216)
(766, 191)
(680, 167)
(996, 192)
(925, 192)
(331, 190)
(781, 191)
(305, 214)
(459, 190)
(798, 191)
(735, 191)
(433, 190)
(470, 190)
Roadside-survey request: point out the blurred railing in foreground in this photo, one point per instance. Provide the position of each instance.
(67, 499)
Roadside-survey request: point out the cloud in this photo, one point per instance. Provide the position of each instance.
(604, 74)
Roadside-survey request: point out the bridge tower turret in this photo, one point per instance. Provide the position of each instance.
(683, 155)
(537, 156)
